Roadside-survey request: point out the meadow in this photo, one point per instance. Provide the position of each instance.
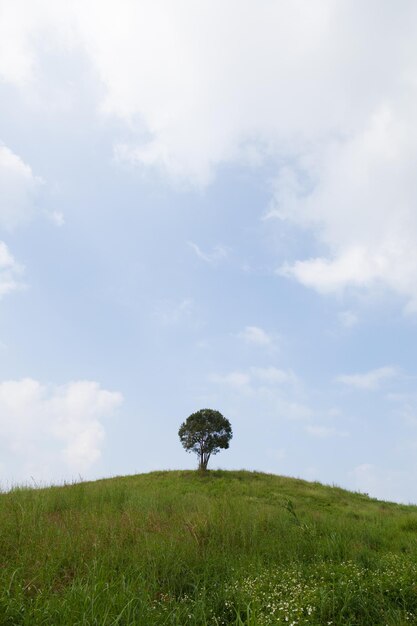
(221, 548)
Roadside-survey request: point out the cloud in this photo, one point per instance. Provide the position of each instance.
(257, 376)
(170, 313)
(237, 380)
(348, 319)
(289, 84)
(322, 432)
(18, 189)
(266, 391)
(254, 335)
(195, 105)
(213, 258)
(10, 272)
(297, 411)
(363, 208)
(369, 380)
(53, 431)
(327, 276)
(272, 375)
(24, 31)
(57, 217)
(16, 56)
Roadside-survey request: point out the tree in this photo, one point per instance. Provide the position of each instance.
(205, 433)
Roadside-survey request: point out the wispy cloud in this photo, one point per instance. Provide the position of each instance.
(218, 254)
(256, 376)
(237, 380)
(57, 217)
(272, 375)
(348, 319)
(169, 312)
(256, 336)
(268, 390)
(18, 187)
(369, 380)
(10, 272)
(323, 432)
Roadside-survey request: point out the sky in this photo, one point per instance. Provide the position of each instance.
(209, 204)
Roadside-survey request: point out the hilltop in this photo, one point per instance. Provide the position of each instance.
(183, 548)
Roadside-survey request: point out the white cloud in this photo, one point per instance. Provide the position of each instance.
(199, 105)
(170, 313)
(57, 217)
(323, 432)
(363, 208)
(289, 82)
(53, 431)
(256, 336)
(348, 319)
(16, 58)
(18, 189)
(255, 378)
(213, 258)
(272, 375)
(266, 391)
(368, 380)
(326, 276)
(27, 30)
(10, 272)
(297, 411)
(237, 380)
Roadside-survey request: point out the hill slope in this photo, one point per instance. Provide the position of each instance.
(225, 548)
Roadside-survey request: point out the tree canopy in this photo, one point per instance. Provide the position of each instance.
(205, 432)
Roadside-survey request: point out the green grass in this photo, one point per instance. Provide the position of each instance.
(182, 548)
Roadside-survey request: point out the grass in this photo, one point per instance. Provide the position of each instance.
(182, 548)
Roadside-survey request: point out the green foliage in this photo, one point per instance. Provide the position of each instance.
(205, 432)
(205, 549)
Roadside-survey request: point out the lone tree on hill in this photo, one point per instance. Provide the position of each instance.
(205, 433)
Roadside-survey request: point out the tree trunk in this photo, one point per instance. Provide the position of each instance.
(203, 462)
(201, 465)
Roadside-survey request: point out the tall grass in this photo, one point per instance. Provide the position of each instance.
(221, 548)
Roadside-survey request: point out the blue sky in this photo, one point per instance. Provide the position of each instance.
(203, 211)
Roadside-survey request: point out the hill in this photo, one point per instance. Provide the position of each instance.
(223, 548)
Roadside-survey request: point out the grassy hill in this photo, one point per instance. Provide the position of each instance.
(225, 548)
